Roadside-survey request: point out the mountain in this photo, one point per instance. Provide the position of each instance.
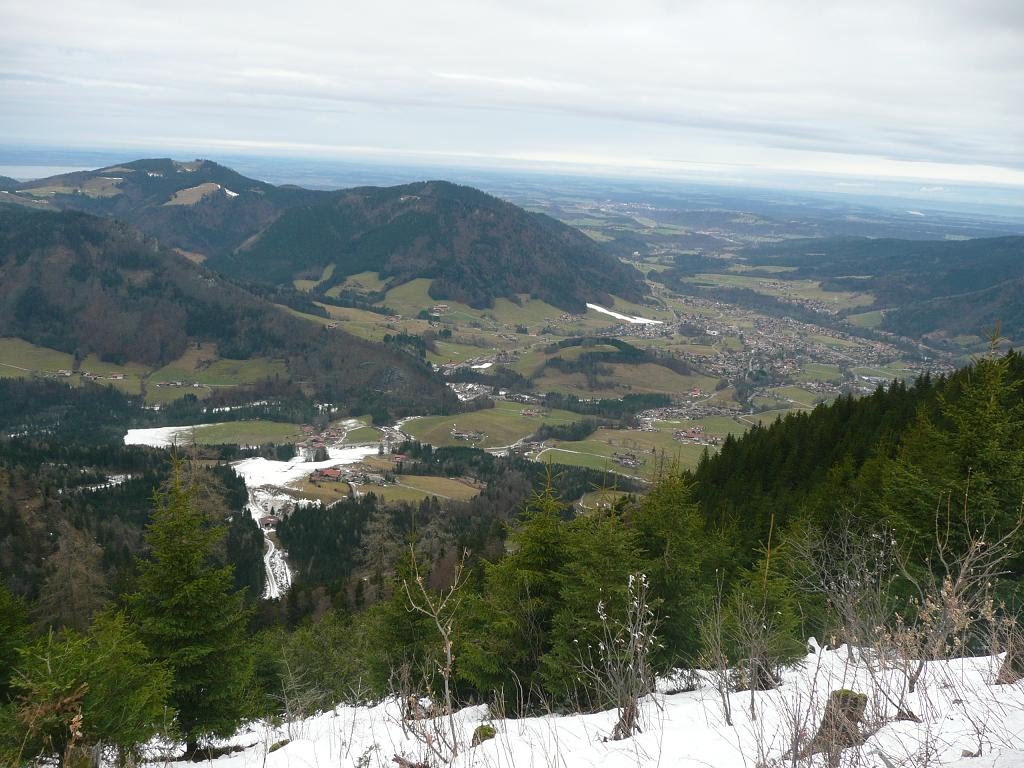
(6, 182)
(199, 207)
(472, 246)
(925, 286)
(83, 284)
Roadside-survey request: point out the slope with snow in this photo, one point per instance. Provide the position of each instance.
(632, 319)
(960, 709)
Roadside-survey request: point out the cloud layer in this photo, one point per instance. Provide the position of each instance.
(931, 90)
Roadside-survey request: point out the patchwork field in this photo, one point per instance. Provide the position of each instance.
(502, 425)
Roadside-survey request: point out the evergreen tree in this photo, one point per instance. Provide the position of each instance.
(508, 628)
(79, 693)
(190, 617)
(965, 463)
(600, 554)
(679, 557)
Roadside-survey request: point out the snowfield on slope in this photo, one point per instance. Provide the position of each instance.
(626, 318)
(960, 708)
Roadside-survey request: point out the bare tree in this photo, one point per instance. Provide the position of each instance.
(621, 672)
(437, 730)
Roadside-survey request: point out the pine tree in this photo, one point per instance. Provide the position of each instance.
(78, 693)
(679, 558)
(508, 627)
(190, 617)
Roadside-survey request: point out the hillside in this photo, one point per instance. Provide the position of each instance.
(474, 247)
(953, 287)
(200, 207)
(85, 285)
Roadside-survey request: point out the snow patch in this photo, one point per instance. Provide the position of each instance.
(229, 193)
(627, 318)
(481, 366)
(162, 437)
(259, 471)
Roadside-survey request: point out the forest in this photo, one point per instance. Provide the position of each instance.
(510, 599)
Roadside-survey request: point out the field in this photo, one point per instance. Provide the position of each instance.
(820, 372)
(256, 432)
(201, 364)
(19, 359)
(193, 195)
(413, 488)
(782, 288)
(650, 448)
(502, 425)
(362, 435)
(327, 493)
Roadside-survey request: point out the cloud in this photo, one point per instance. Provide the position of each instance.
(868, 86)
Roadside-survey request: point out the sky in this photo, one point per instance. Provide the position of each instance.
(923, 90)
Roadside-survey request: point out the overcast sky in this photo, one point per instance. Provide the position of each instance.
(930, 90)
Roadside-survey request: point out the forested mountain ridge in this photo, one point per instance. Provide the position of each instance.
(473, 246)
(82, 284)
(954, 286)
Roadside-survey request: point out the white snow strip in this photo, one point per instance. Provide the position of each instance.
(628, 318)
(481, 367)
(229, 193)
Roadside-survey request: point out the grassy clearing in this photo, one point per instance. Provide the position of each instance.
(780, 287)
(363, 282)
(820, 372)
(597, 452)
(502, 425)
(867, 319)
(715, 426)
(328, 493)
(362, 435)
(412, 297)
(200, 363)
(797, 395)
(650, 448)
(442, 487)
(20, 359)
(257, 432)
(193, 195)
(394, 494)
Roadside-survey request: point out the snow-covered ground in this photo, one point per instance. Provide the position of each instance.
(960, 708)
(626, 318)
(161, 437)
